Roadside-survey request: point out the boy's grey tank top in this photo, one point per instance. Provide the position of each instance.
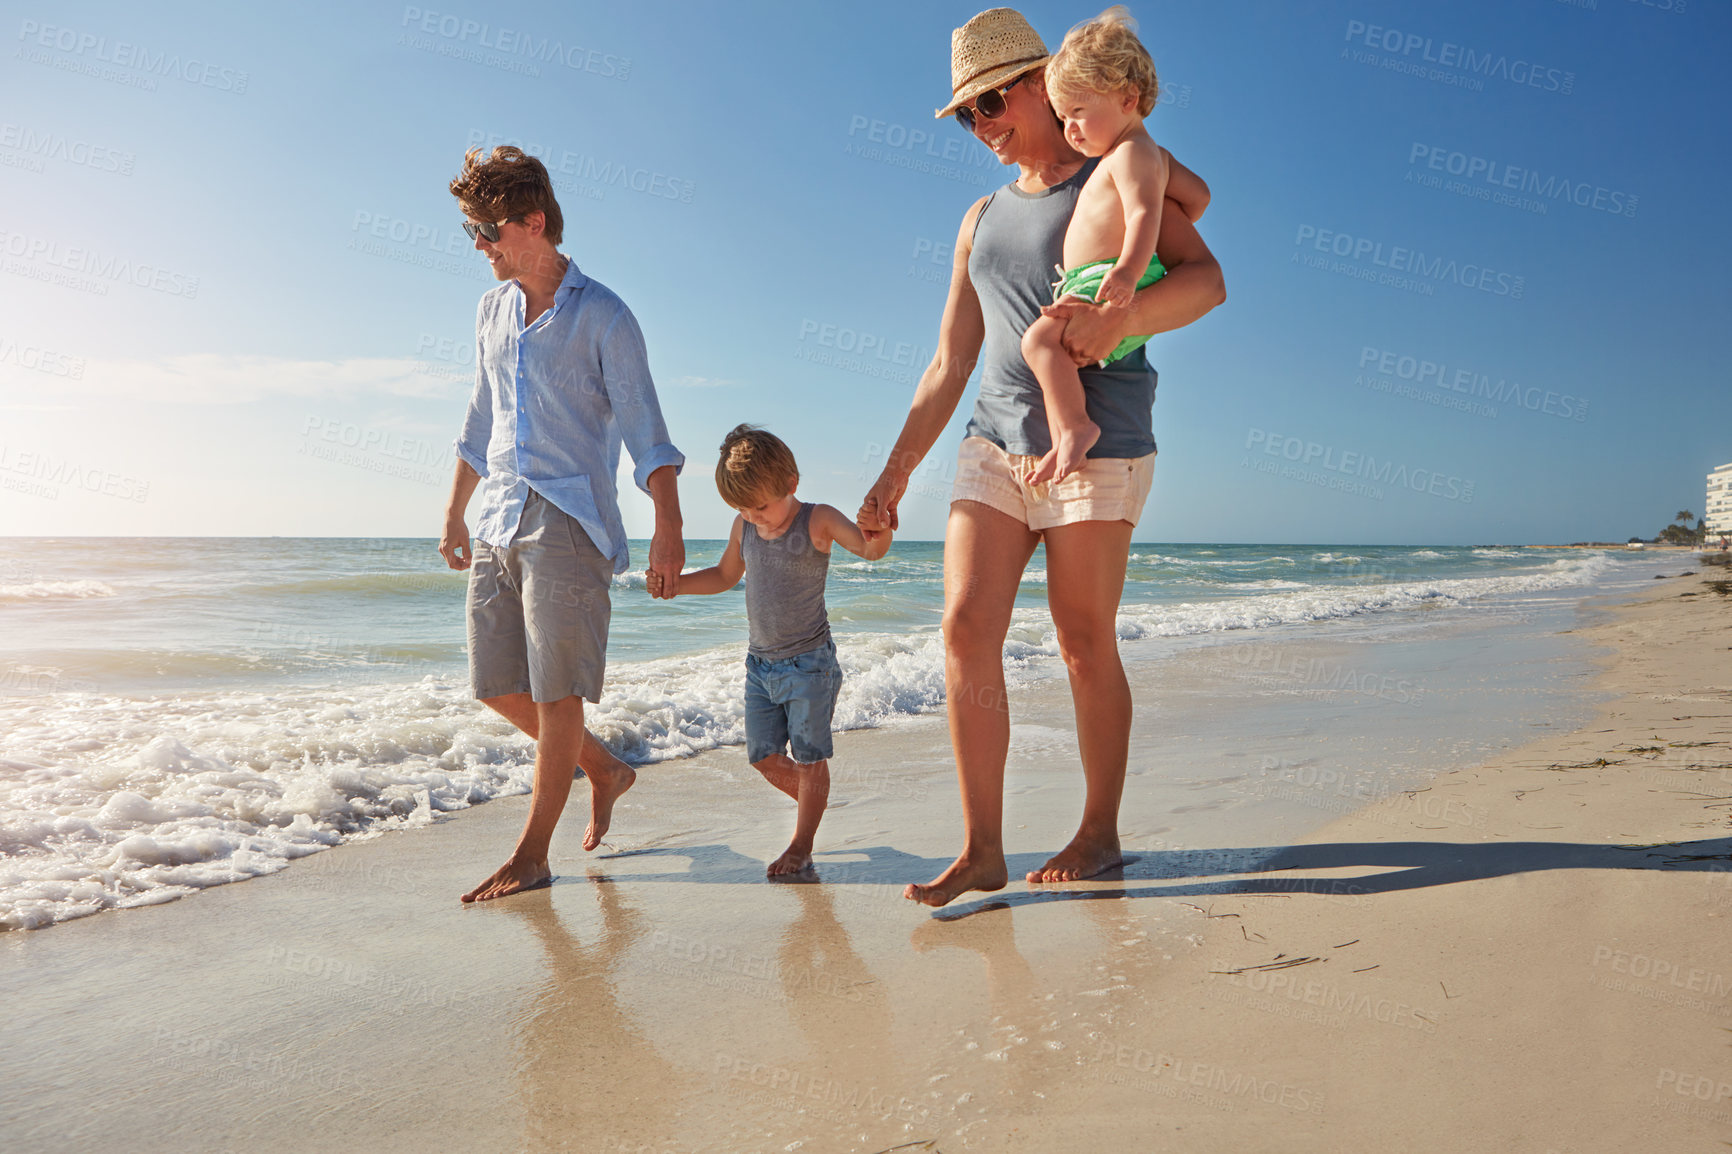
(1018, 239)
(785, 613)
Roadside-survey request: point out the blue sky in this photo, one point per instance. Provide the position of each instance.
(234, 299)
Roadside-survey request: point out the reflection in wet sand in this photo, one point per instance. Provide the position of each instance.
(591, 1079)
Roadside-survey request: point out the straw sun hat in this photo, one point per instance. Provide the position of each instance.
(995, 47)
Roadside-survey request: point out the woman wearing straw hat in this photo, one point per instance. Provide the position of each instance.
(1005, 251)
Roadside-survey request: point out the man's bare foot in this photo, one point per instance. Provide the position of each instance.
(515, 876)
(793, 860)
(1070, 451)
(1082, 858)
(606, 784)
(964, 874)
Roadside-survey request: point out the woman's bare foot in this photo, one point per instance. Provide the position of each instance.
(965, 873)
(794, 859)
(1084, 857)
(1070, 451)
(515, 876)
(606, 784)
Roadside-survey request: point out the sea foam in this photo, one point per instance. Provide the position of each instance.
(114, 801)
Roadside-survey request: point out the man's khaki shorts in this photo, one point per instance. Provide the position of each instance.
(539, 610)
(1104, 489)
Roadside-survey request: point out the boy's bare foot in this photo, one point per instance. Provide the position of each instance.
(965, 873)
(793, 860)
(606, 783)
(1084, 857)
(1070, 451)
(515, 876)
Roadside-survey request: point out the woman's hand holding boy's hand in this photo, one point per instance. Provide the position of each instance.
(878, 510)
(1093, 331)
(1117, 288)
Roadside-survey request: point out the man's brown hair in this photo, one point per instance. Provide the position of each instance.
(509, 184)
(755, 465)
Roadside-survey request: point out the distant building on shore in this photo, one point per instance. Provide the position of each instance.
(1718, 515)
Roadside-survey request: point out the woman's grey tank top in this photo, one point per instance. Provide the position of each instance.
(785, 613)
(1018, 238)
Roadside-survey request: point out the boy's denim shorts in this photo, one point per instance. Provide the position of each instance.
(791, 702)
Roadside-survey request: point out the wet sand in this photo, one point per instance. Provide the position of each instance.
(1527, 955)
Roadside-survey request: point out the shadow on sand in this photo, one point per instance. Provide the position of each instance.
(1404, 865)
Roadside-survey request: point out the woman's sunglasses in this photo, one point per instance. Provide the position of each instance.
(487, 229)
(990, 104)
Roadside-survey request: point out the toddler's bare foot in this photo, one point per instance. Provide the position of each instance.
(1070, 451)
(966, 873)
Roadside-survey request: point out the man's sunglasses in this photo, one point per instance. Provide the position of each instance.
(487, 229)
(990, 104)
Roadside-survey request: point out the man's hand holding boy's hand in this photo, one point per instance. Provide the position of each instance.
(667, 557)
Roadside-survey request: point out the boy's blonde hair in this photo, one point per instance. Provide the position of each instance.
(1104, 55)
(754, 464)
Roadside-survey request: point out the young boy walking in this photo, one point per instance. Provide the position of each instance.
(781, 546)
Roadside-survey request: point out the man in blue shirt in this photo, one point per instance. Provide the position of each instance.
(561, 379)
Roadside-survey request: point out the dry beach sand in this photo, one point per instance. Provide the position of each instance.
(1528, 955)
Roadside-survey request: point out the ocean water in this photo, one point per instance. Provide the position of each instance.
(181, 713)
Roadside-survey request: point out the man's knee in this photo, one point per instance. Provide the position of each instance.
(565, 711)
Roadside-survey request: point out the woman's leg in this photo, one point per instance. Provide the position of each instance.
(985, 552)
(1085, 574)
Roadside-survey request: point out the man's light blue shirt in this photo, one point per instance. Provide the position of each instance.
(552, 403)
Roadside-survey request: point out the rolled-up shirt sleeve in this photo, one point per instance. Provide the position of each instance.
(478, 421)
(632, 395)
